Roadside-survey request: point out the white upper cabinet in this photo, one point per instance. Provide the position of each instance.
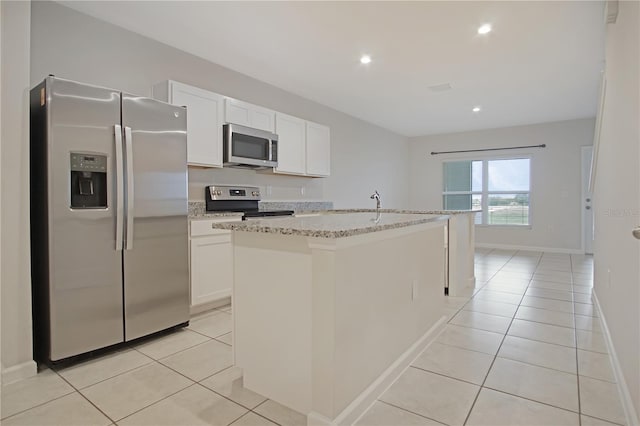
(246, 114)
(291, 144)
(304, 147)
(205, 114)
(318, 150)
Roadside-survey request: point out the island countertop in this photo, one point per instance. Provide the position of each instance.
(332, 225)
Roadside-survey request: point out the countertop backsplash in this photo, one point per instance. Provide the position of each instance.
(198, 208)
(272, 187)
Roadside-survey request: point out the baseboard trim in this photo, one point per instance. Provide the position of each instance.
(529, 248)
(19, 372)
(623, 389)
(354, 411)
(203, 307)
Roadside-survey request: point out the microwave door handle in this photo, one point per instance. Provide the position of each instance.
(129, 162)
(270, 149)
(119, 187)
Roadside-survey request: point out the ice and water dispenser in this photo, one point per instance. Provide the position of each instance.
(88, 181)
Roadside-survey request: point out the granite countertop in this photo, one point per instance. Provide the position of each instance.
(213, 215)
(332, 225)
(438, 212)
(197, 209)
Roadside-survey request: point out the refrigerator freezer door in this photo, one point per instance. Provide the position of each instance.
(156, 274)
(85, 269)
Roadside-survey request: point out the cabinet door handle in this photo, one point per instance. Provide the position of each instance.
(636, 232)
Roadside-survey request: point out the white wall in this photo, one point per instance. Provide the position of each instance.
(364, 157)
(44, 38)
(617, 198)
(16, 276)
(555, 178)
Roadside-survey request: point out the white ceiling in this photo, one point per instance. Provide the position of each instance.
(541, 62)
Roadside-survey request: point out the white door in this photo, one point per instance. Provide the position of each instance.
(587, 201)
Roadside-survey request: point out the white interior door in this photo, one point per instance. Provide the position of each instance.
(587, 201)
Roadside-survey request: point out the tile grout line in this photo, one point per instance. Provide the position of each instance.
(38, 405)
(575, 338)
(151, 361)
(492, 361)
(573, 313)
(444, 375)
(178, 372)
(209, 337)
(496, 356)
(257, 414)
(181, 350)
(226, 397)
(194, 382)
(80, 389)
(532, 400)
(85, 397)
(156, 402)
(263, 416)
(409, 411)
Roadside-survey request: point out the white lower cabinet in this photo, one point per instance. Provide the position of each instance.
(210, 261)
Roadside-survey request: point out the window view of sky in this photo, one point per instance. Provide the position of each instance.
(476, 176)
(509, 175)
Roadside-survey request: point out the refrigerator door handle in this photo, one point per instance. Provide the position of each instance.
(128, 139)
(119, 187)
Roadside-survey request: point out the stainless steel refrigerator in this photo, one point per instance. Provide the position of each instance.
(108, 217)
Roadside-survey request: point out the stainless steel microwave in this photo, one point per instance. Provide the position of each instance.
(249, 148)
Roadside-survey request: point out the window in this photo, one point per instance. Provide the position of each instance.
(500, 188)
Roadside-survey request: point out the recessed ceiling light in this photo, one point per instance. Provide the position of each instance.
(476, 109)
(484, 29)
(365, 59)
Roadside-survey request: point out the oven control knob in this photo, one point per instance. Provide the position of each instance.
(218, 192)
(255, 193)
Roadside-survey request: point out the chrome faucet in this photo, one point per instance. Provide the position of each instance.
(376, 196)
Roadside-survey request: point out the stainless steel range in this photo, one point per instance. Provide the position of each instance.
(244, 199)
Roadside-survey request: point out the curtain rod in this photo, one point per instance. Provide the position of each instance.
(488, 149)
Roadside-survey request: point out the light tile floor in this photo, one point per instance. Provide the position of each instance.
(525, 347)
(182, 378)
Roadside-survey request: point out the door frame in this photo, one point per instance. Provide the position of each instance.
(586, 154)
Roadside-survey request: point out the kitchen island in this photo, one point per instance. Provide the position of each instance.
(329, 309)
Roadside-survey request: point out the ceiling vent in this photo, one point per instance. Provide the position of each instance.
(440, 87)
